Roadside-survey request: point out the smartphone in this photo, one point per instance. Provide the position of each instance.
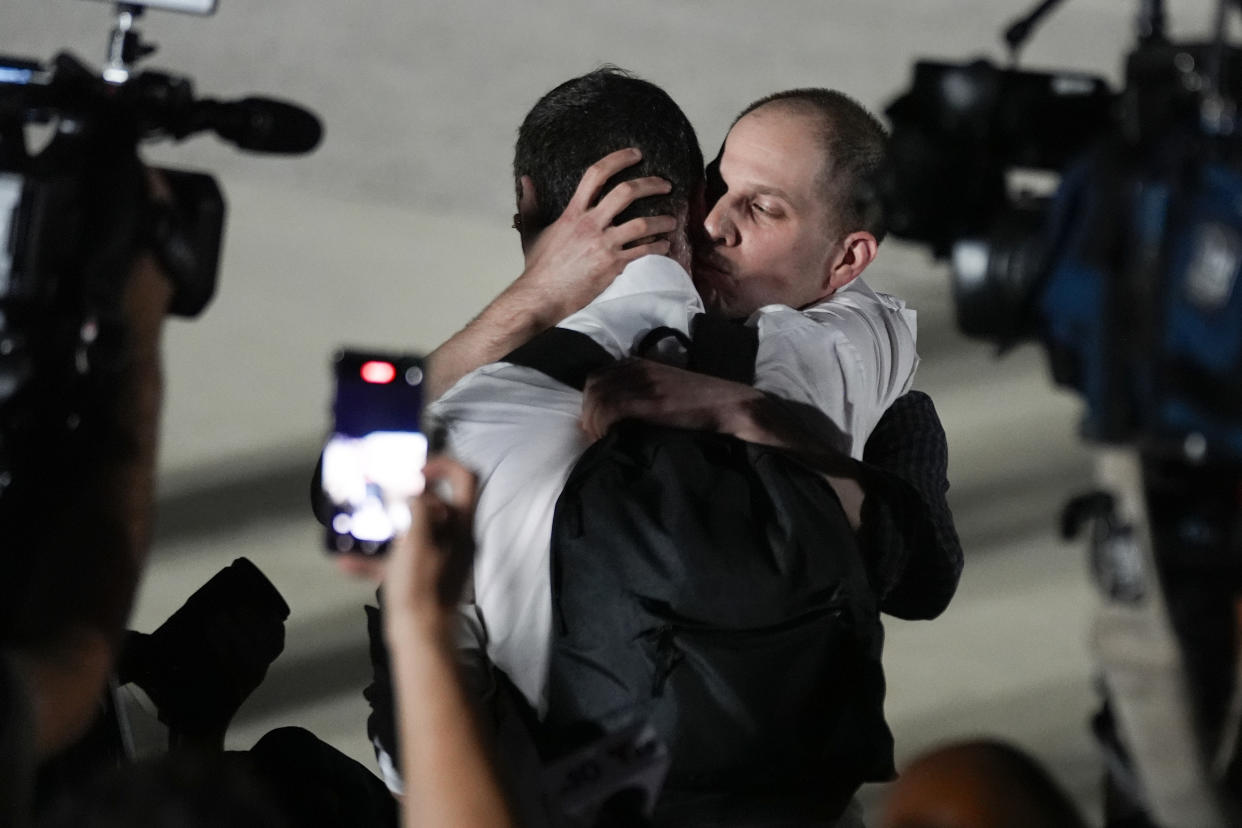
(373, 461)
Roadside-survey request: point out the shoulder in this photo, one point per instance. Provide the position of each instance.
(857, 344)
(855, 316)
(858, 306)
(652, 292)
(503, 389)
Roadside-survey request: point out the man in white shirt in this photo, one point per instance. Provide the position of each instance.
(794, 221)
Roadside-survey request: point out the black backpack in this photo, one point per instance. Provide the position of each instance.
(714, 588)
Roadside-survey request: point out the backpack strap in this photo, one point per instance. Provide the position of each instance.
(723, 348)
(655, 336)
(564, 355)
(718, 346)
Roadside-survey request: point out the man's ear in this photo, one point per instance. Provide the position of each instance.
(527, 203)
(525, 219)
(849, 260)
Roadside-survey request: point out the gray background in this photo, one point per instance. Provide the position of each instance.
(397, 230)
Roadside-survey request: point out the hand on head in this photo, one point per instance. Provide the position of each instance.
(572, 260)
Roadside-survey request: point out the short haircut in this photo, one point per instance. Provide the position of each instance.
(588, 117)
(855, 147)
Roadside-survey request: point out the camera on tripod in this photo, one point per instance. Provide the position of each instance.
(1128, 273)
(74, 212)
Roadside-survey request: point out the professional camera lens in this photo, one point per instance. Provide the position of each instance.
(994, 279)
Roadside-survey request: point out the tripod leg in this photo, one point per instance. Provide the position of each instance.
(1141, 665)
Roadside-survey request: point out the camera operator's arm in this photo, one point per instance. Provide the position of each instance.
(895, 499)
(147, 299)
(449, 777)
(567, 265)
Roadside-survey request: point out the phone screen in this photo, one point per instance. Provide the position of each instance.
(373, 461)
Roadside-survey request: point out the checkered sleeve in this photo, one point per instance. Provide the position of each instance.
(907, 527)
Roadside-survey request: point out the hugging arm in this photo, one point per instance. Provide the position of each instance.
(895, 498)
(918, 556)
(645, 390)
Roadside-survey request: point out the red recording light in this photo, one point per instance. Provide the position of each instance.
(378, 372)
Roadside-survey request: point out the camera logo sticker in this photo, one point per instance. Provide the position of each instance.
(1214, 267)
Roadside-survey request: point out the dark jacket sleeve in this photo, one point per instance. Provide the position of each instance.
(507, 724)
(907, 527)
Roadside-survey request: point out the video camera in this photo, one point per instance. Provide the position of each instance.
(74, 212)
(1128, 273)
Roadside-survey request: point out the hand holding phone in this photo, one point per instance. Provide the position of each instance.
(373, 462)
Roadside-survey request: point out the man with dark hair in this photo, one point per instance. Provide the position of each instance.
(512, 425)
(518, 430)
(585, 169)
(585, 119)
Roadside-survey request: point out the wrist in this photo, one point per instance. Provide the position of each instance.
(417, 630)
(532, 307)
(744, 418)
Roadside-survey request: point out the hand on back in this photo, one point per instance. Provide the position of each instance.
(641, 389)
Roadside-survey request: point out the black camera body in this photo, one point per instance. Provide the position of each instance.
(75, 212)
(1129, 272)
(85, 192)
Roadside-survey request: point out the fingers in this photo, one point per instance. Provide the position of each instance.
(659, 247)
(598, 173)
(646, 226)
(590, 409)
(643, 236)
(620, 197)
(612, 394)
(427, 565)
(399, 575)
(451, 482)
(581, 253)
(597, 418)
(626, 193)
(655, 228)
(591, 406)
